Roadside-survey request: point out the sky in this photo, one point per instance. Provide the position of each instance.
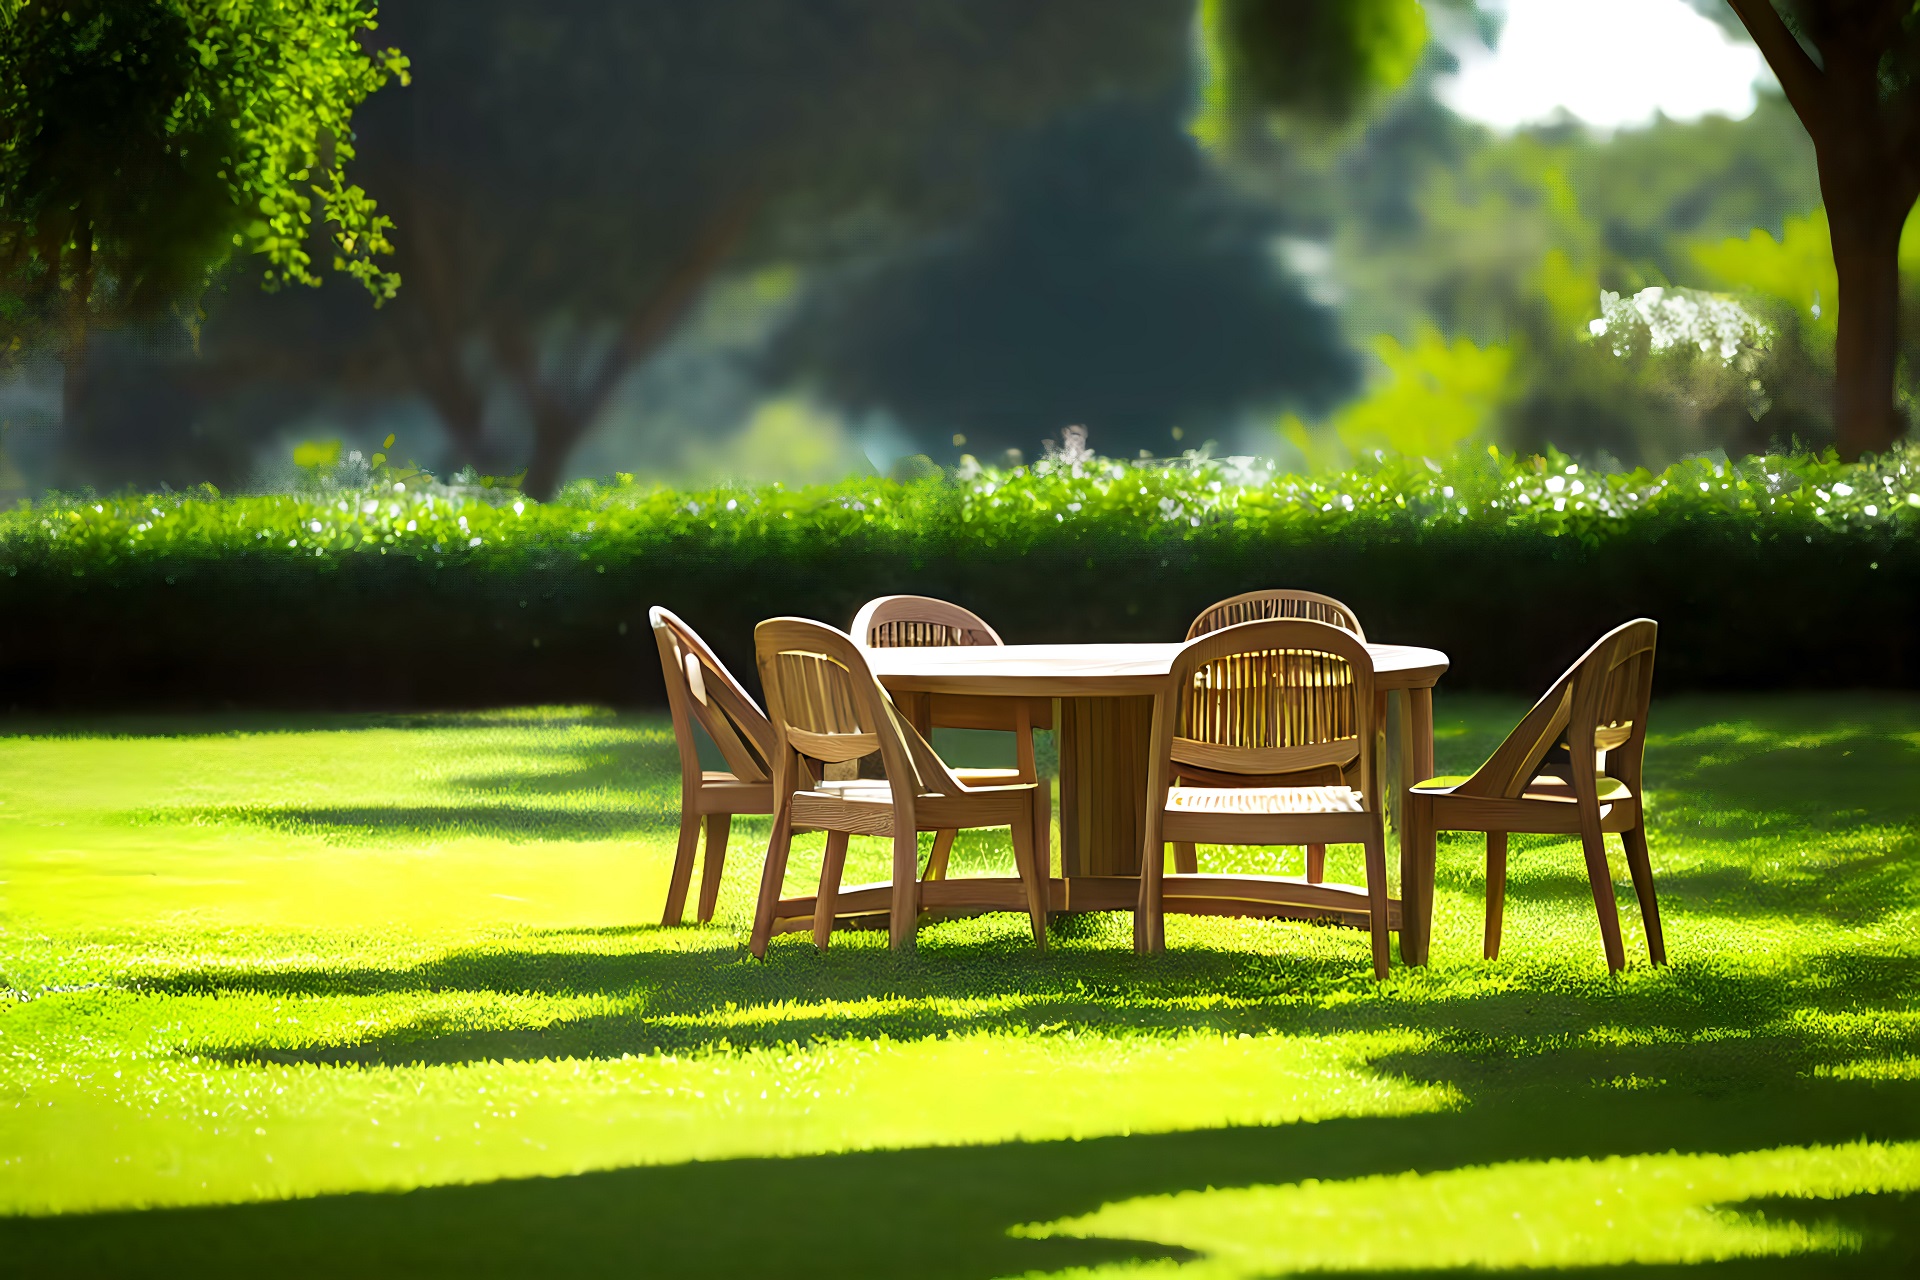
(1611, 63)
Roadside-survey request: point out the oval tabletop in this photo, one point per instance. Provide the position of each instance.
(1091, 670)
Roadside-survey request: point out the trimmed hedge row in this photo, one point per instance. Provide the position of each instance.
(1770, 572)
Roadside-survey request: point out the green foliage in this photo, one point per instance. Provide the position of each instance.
(1434, 399)
(1318, 61)
(1795, 270)
(410, 593)
(1116, 502)
(1512, 240)
(143, 141)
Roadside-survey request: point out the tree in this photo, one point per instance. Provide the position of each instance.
(572, 176)
(1113, 278)
(1851, 71)
(1314, 62)
(143, 142)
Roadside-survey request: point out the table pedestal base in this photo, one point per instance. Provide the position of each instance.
(1103, 784)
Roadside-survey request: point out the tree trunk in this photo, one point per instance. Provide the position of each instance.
(1866, 228)
(72, 455)
(555, 432)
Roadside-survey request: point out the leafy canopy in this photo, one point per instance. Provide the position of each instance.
(1315, 60)
(144, 142)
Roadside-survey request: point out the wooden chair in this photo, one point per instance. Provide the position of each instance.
(700, 689)
(826, 707)
(1259, 700)
(902, 622)
(1597, 714)
(1258, 606)
(1255, 606)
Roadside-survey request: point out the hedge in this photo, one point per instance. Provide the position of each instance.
(1767, 572)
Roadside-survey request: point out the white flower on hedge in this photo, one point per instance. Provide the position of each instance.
(1671, 319)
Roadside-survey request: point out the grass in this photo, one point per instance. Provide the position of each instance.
(380, 995)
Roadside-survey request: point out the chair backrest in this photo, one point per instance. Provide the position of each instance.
(919, 622)
(700, 689)
(1259, 606)
(826, 706)
(1600, 704)
(1274, 697)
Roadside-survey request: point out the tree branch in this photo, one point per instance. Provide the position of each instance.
(661, 309)
(1803, 82)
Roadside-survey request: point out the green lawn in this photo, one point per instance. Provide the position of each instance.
(356, 996)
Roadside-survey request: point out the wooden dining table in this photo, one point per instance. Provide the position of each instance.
(1104, 718)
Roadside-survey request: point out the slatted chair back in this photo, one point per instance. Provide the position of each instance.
(1277, 697)
(919, 622)
(1599, 705)
(826, 706)
(701, 690)
(1260, 606)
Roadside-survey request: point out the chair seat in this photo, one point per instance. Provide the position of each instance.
(1264, 800)
(864, 806)
(987, 777)
(1544, 787)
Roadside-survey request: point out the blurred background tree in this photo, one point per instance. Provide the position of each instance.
(1849, 71)
(144, 146)
(575, 177)
(753, 239)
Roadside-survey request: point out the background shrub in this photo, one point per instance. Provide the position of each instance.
(1770, 571)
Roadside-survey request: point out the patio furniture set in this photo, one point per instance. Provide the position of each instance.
(1267, 726)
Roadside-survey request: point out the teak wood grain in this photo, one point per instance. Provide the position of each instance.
(922, 622)
(821, 695)
(1105, 693)
(700, 690)
(1596, 717)
(1193, 769)
(1263, 606)
(1265, 698)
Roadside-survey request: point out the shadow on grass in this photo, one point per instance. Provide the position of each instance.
(1852, 891)
(357, 824)
(199, 724)
(1525, 1031)
(947, 1212)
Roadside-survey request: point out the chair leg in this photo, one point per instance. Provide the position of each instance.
(1030, 877)
(1149, 913)
(937, 860)
(1043, 833)
(1594, 846)
(1635, 839)
(1316, 863)
(1417, 848)
(772, 877)
(825, 901)
(682, 864)
(1376, 846)
(1496, 893)
(1186, 859)
(719, 825)
(903, 913)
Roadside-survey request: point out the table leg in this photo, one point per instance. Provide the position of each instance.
(1420, 716)
(1103, 784)
(1400, 777)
